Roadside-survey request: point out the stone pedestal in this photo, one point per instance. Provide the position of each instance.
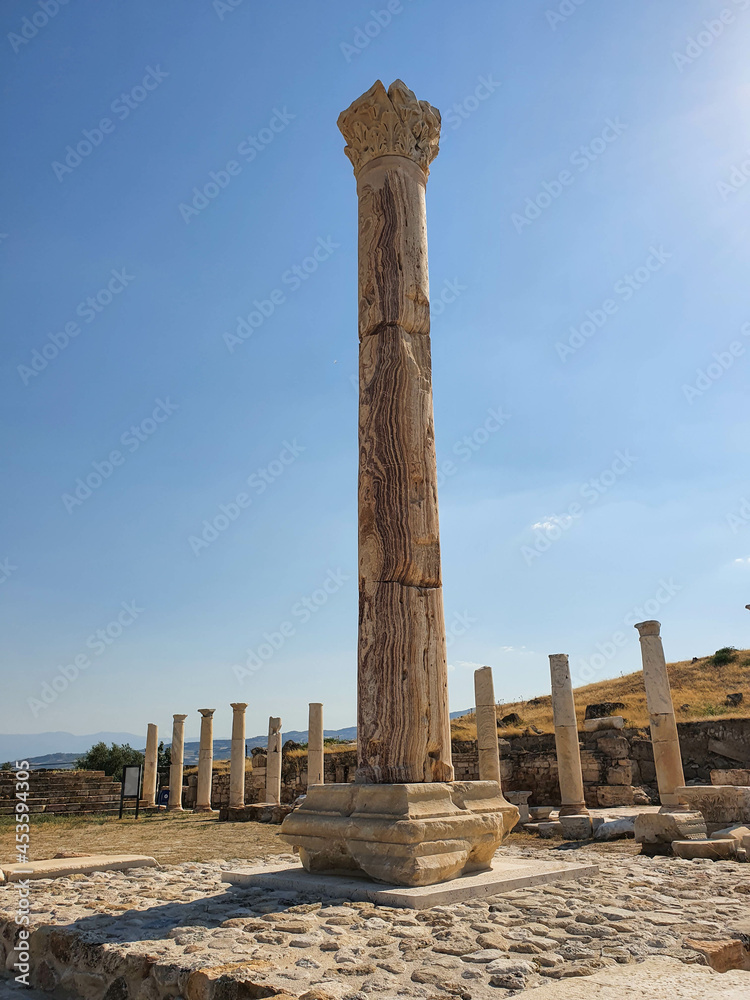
(487, 746)
(569, 771)
(148, 800)
(664, 738)
(315, 746)
(205, 761)
(237, 757)
(177, 753)
(273, 763)
(405, 834)
(402, 820)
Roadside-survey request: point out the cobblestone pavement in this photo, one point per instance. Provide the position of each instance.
(152, 930)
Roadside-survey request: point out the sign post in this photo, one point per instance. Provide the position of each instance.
(131, 786)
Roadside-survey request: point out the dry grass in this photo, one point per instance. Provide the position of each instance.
(699, 691)
(170, 838)
(174, 838)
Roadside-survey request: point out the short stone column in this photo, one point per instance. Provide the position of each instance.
(569, 771)
(273, 762)
(237, 757)
(205, 761)
(664, 738)
(150, 766)
(315, 751)
(177, 754)
(489, 753)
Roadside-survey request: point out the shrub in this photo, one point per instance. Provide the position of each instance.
(724, 655)
(111, 759)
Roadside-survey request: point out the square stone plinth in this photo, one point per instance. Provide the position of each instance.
(402, 834)
(504, 875)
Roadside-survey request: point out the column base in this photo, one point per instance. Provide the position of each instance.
(578, 809)
(175, 809)
(404, 834)
(206, 809)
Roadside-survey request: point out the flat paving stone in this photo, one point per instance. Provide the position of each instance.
(504, 876)
(60, 867)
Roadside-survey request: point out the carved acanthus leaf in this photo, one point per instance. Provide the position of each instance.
(384, 122)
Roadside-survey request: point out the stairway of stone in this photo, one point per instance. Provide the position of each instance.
(62, 793)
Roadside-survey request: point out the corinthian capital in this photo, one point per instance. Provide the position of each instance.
(393, 121)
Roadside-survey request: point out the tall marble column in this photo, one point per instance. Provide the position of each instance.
(666, 744)
(205, 761)
(403, 726)
(315, 751)
(177, 754)
(569, 771)
(237, 757)
(487, 745)
(150, 766)
(404, 819)
(273, 762)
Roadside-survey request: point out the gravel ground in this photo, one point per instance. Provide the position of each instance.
(184, 918)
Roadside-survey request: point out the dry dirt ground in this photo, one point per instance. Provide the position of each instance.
(176, 838)
(170, 838)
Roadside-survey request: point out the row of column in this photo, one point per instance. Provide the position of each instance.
(667, 757)
(664, 737)
(315, 759)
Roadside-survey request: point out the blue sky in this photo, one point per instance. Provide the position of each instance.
(587, 218)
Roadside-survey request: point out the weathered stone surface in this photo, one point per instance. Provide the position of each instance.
(733, 776)
(315, 745)
(576, 827)
(737, 832)
(62, 867)
(607, 722)
(205, 760)
(722, 956)
(566, 737)
(712, 850)
(273, 762)
(148, 790)
(412, 834)
(666, 744)
(616, 829)
(403, 724)
(662, 828)
(177, 752)
(486, 716)
(722, 804)
(237, 756)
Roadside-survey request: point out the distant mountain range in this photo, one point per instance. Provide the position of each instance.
(60, 750)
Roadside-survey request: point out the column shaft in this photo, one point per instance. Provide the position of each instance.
(177, 753)
(273, 762)
(205, 761)
(568, 748)
(237, 757)
(402, 716)
(149, 767)
(664, 738)
(315, 751)
(489, 753)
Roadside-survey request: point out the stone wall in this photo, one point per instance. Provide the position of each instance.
(618, 765)
(63, 793)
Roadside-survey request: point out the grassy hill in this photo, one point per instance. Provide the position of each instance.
(699, 691)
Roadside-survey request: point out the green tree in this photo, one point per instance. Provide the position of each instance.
(163, 757)
(111, 759)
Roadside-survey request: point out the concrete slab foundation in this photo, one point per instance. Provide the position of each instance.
(505, 875)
